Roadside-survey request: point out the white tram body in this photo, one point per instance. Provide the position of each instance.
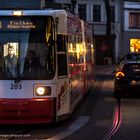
(49, 90)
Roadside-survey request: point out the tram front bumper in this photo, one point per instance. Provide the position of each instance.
(25, 111)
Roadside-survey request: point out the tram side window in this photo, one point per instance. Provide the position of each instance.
(88, 54)
(50, 50)
(62, 67)
(61, 55)
(61, 43)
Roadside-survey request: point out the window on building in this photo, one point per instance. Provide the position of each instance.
(68, 6)
(82, 11)
(135, 45)
(96, 13)
(112, 13)
(134, 20)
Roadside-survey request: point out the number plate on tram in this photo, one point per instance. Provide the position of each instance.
(16, 86)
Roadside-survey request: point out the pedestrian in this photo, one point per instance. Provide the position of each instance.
(11, 61)
(32, 64)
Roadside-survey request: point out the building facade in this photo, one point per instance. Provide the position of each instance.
(125, 26)
(94, 12)
(131, 27)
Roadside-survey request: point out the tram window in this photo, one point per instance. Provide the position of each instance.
(61, 43)
(62, 65)
(69, 39)
(25, 34)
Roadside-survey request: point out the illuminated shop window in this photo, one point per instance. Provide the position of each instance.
(135, 45)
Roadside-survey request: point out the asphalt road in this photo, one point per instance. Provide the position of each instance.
(94, 119)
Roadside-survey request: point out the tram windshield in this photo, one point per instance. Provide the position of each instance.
(27, 48)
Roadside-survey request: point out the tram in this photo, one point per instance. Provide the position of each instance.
(46, 65)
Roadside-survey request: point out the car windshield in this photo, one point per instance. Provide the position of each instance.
(130, 68)
(133, 57)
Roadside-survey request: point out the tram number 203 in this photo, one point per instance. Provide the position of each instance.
(16, 86)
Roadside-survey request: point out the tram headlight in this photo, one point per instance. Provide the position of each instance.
(42, 90)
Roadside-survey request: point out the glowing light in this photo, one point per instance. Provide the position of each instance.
(70, 48)
(119, 75)
(78, 48)
(17, 13)
(135, 45)
(133, 82)
(40, 90)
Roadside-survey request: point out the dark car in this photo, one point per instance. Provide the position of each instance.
(127, 78)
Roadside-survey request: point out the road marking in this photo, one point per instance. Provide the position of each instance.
(81, 121)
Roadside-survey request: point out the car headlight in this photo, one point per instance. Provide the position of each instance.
(42, 90)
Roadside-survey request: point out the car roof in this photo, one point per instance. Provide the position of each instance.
(133, 53)
(131, 56)
(131, 62)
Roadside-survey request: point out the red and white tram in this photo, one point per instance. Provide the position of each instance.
(46, 65)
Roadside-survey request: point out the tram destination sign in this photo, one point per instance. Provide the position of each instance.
(20, 24)
(9, 25)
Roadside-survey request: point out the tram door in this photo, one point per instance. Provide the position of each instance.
(62, 73)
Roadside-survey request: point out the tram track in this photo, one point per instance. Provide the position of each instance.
(116, 121)
(85, 117)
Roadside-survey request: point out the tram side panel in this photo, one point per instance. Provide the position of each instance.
(75, 60)
(72, 80)
(23, 105)
(62, 92)
(89, 54)
(63, 99)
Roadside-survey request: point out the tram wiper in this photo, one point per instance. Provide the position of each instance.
(19, 78)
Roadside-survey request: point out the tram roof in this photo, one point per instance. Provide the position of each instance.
(43, 12)
(31, 7)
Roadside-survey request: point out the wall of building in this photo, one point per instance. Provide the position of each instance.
(129, 32)
(120, 28)
(100, 27)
